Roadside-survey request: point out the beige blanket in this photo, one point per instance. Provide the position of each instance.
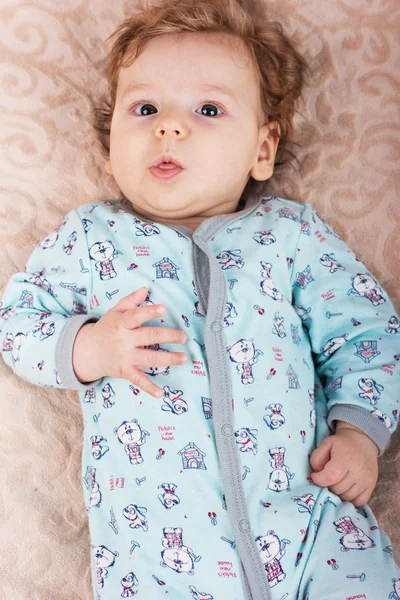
(52, 54)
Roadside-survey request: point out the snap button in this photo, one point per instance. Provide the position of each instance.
(227, 430)
(216, 327)
(244, 525)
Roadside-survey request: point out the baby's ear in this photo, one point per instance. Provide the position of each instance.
(108, 168)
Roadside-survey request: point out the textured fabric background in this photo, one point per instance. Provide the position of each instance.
(51, 58)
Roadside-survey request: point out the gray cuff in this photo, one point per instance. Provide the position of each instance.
(63, 354)
(364, 420)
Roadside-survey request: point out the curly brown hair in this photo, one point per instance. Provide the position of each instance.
(281, 70)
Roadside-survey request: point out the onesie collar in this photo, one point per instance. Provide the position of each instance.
(209, 227)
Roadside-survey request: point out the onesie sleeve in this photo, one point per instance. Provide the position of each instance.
(353, 330)
(44, 307)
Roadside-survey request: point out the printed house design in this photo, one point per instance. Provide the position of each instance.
(207, 407)
(166, 268)
(192, 457)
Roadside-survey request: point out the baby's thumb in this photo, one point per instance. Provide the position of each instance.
(131, 300)
(321, 455)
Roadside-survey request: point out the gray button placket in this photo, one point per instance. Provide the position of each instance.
(201, 278)
(255, 581)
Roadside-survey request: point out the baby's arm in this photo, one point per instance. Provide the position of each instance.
(351, 324)
(46, 304)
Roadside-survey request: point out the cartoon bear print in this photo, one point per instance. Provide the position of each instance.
(176, 556)
(131, 435)
(244, 354)
(354, 538)
(365, 286)
(103, 253)
(104, 559)
(280, 476)
(271, 550)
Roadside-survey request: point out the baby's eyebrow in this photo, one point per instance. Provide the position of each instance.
(206, 87)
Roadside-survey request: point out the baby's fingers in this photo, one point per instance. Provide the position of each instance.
(330, 474)
(139, 379)
(343, 486)
(362, 498)
(159, 358)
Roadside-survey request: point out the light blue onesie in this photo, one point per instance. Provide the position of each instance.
(206, 493)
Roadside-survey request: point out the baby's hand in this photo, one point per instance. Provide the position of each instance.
(346, 463)
(118, 346)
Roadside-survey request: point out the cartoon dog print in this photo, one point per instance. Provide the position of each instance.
(98, 450)
(265, 238)
(107, 392)
(12, 343)
(199, 595)
(274, 417)
(395, 595)
(271, 550)
(354, 538)
(38, 278)
(247, 439)
(104, 559)
(230, 258)
(329, 260)
(278, 328)
(244, 354)
(365, 286)
(127, 583)
(230, 313)
(131, 435)
(71, 241)
(370, 390)
(135, 514)
(173, 401)
(334, 344)
(305, 503)
(168, 498)
(313, 415)
(268, 287)
(145, 229)
(153, 371)
(382, 417)
(393, 325)
(46, 329)
(93, 487)
(51, 239)
(103, 253)
(176, 556)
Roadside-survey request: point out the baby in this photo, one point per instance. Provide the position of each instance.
(240, 468)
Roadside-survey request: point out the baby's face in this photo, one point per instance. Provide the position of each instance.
(220, 140)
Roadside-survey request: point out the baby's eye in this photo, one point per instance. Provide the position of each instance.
(147, 107)
(211, 107)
